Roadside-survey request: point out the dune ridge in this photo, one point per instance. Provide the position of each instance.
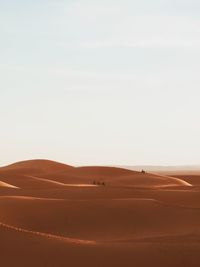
(58, 174)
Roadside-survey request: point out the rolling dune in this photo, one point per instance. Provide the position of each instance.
(52, 214)
(60, 174)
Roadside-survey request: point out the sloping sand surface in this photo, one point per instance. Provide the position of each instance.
(101, 220)
(33, 250)
(52, 214)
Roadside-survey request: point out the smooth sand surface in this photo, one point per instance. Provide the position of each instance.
(53, 214)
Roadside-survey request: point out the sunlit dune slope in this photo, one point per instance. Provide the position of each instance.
(193, 179)
(5, 185)
(25, 181)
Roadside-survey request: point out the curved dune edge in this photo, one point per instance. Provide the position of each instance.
(49, 236)
(3, 184)
(59, 183)
(182, 181)
(178, 182)
(43, 164)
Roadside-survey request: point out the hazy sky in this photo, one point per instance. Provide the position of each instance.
(100, 82)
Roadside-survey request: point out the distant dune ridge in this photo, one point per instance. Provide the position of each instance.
(38, 165)
(60, 174)
(52, 214)
(166, 169)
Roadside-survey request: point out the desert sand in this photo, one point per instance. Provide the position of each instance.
(52, 214)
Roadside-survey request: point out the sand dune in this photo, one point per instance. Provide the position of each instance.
(51, 214)
(59, 175)
(37, 166)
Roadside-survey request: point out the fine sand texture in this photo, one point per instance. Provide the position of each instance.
(54, 215)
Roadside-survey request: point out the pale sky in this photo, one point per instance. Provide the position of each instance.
(100, 82)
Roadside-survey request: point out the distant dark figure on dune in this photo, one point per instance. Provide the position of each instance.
(143, 171)
(98, 183)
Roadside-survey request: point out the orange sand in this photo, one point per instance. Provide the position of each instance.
(51, 214)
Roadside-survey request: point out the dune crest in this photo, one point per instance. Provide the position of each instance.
(37, 165)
